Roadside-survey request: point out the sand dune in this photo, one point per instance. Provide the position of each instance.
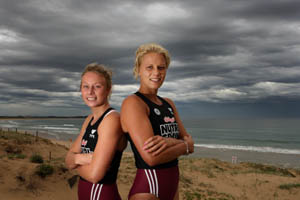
(200, 178)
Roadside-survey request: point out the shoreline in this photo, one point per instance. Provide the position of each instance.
(41, 117)
(239, 156)
(227, 155)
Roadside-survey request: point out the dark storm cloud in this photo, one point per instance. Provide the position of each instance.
(223, 52)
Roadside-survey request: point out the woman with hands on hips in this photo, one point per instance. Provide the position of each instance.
(154, 129)
(97, 151)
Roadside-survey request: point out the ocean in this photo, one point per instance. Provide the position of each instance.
(268, 141)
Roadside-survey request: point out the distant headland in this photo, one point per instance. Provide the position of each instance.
(40, 117)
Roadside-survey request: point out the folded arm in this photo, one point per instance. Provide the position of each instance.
(109, 135)
(139, 127)
(157, 144)
(74, 158)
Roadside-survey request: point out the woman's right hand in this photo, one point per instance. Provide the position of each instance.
(157, 144)
(83, 158)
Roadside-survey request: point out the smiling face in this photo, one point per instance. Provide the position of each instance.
(152, 72)
(94, 90)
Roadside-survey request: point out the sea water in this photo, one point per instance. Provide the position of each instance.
(271, 141)
(268, 141)
(262, 135)
(57, 128)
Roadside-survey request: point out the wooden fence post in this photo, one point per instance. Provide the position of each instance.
(36, 135)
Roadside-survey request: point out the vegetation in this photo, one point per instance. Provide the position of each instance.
(266, 169)
(289, 186)
(16, 137)
(36, 158)
(44, 170)
(17, 156)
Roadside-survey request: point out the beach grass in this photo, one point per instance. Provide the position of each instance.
(268, 169)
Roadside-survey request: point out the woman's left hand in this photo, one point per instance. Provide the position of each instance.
(190, 142)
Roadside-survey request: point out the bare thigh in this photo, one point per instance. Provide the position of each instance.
(143, 196)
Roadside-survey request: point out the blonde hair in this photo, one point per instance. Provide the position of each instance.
(148, 48)
(101, 70)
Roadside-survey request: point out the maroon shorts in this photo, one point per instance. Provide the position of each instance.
(90, 191)
(163, 183)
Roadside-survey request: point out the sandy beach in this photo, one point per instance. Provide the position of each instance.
(201, 178)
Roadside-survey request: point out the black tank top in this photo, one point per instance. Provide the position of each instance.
(163, 123)
(88, 145)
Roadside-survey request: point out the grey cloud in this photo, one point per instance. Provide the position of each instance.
(222, 51)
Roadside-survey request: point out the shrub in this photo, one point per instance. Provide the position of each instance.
(36, 158)
(13, 156)
(20, 156)
(289, 186)
(44, 170)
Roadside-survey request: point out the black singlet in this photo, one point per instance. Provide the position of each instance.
(88, 145)
(163, 123)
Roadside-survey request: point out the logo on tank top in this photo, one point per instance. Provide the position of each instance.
(83, 148)
(84, 143)
(92, 133)
(157, 112)
(169, 119)
(171, 111)
(170, 128)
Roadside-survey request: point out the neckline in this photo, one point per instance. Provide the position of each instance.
(101, 116)
(160, 98)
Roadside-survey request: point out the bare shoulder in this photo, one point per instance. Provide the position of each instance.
(132, 101)
(112, 118)
(110, 124)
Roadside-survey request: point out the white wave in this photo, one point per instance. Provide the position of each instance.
(69, 125)
(250, 148)
(13, 122)
(8, 126)
(55, 128)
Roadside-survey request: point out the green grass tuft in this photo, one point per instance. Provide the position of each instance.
(44, 170)
(36, 158)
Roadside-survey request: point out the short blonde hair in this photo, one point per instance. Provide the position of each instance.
(101, 70)
(148, 48)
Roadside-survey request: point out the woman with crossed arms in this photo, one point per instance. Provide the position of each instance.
(97, 151)
(154, 129)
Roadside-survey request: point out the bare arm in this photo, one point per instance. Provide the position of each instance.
(74, 158)
(109, 135)
(139, 127)
(157, 144)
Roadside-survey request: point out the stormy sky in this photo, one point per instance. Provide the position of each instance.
(229, 58)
